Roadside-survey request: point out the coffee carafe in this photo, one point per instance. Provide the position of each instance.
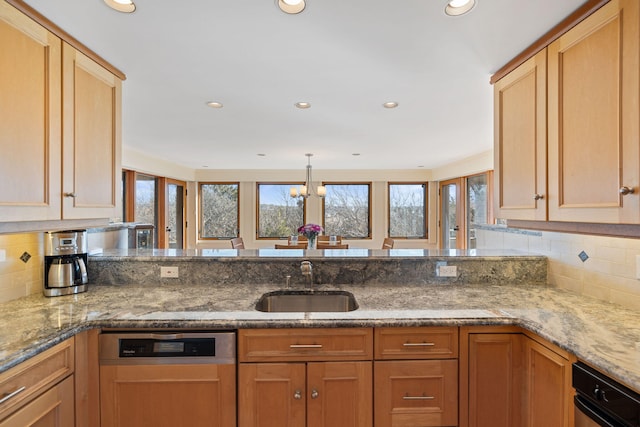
(65, 262)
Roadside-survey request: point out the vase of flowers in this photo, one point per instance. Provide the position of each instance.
(310, 231)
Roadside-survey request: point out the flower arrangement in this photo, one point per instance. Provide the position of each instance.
(310, 231)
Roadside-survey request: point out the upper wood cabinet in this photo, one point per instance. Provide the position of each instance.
(520, 132)
(60, 133)
(593, 118)
(91, 138)
(578, 99)
(30, 107)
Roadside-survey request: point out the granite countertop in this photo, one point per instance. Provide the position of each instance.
(605, 335)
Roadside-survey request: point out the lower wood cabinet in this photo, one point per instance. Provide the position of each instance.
(314, 394)
(511, 378)
(305, 377)
(413, 393)
(416, 377)
(40, 391)
(148, 395)
(53, 408)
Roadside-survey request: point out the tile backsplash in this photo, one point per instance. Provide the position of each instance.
(601, 267)
(19, 278)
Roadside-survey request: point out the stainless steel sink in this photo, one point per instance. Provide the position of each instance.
(306, 301)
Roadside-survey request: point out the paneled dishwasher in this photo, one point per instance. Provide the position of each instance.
(168, 378)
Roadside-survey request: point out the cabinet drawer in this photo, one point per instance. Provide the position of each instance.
(304, 344)
(416, 343)
(416, 393)
(32, 377)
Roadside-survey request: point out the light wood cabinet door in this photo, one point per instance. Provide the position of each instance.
(272, 394)
(91, 138)
(53, 408)
(520, 146)
(548, 385)
(493, 371)
(339, 394)
(593, 89)
(416, 393)
(168, 395)
(30, 107)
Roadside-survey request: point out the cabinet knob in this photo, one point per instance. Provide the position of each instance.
(70, 195)
(314, 394)
(538, 197)
(626, 190)
(297, 395)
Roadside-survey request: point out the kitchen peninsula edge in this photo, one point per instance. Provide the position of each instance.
(604, 335)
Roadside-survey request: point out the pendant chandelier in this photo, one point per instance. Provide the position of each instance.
(307, 189)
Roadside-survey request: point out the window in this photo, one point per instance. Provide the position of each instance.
(347, 210)
(279, 214)
(219, 210)
(477, 205)
(465, 202)
(408, 210)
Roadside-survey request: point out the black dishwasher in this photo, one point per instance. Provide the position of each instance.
(601, 401)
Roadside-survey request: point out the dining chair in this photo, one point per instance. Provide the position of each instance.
(326, 245)
(325, 239)
(387, 243)
(237, 243)
(300, 239)
(298, 246)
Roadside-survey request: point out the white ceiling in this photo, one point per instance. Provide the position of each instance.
(345, 57)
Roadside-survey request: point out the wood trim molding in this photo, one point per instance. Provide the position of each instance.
(64, 36)
(565, 25)
(630, 231)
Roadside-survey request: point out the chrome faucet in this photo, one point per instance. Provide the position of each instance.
(307, 270)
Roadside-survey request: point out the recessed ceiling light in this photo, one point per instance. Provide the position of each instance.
(459, 7)
(391, 104)
(291, 6)
(125, 6)
(214, 104)
(355, 154)
(302, 105)
(261, 155)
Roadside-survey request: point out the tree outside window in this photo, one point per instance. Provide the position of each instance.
(408, 210)
(219, 210)
(347, 210)
(279, 214)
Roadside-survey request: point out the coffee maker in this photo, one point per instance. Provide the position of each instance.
(65, 262)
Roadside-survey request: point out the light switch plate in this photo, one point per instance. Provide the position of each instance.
(448, 271)
(3, 255)
(169, 272)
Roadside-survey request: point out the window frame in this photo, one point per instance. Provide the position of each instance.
(257, 219)
(369, 185)
(200, 210)
(425, 185)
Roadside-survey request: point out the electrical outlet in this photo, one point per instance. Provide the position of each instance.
(637, 266)
(448, 271)
(169, 272)
(3, 255)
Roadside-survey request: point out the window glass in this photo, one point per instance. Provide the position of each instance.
(347, 210)
(279, 214)
(478, 206)
(407, 210)
(219, 210)
(146, 203)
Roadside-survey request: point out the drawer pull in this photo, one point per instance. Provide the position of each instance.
(12, 394)
(419, 344)
(305, 346)
(407, 397)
